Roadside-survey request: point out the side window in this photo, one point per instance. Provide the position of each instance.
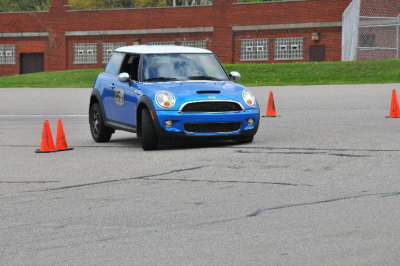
(130, 65)
(114, 64)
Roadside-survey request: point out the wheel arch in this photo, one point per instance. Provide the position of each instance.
(144, 103)
(96, 98)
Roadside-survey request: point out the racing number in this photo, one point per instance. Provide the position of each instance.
(119, 97)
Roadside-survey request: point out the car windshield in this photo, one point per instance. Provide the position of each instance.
(171, 67)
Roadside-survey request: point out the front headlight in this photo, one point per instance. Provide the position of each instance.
(165, 99)
(249, 98)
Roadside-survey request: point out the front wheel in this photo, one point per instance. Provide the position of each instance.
(100, 132)
(149, 137)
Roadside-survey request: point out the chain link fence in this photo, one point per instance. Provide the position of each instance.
(371, 30)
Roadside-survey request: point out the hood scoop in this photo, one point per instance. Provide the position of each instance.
(208, 92)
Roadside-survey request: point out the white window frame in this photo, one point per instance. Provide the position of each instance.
(7, 54)
(289, 48)
(162, 43)
(254, 49)
(85, 53)
(108, 49)
(197, 44)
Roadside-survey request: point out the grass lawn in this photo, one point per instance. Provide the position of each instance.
(57, 79)
(253, 74)
(321, 73)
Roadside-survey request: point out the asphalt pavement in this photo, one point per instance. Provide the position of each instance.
(319, 185)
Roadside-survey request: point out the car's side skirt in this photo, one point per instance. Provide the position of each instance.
(120, 126)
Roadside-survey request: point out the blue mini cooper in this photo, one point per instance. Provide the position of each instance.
(166, 92)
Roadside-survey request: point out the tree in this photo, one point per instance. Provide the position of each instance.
(101, 4)
(41, 5)
(24, 5)
(190, 2)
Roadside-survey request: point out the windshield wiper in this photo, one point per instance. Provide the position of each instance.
(203, 77)
(161, 79)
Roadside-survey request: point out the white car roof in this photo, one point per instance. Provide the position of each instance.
(162, 49)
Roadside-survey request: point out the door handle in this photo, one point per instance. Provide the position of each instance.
(111, 86)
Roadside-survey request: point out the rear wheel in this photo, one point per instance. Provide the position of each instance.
(100, 132)
(149, 136)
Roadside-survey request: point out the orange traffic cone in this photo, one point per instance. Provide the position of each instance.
(61, 142)
(271, 106)
(47, 139)
(394, 108)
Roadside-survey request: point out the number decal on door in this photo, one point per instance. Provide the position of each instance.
(119, 97)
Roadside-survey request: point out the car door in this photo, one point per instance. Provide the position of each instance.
(109, 77)
(123, 109)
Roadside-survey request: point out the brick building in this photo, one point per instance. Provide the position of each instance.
(281, 31)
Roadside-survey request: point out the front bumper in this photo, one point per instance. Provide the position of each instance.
(179, 119)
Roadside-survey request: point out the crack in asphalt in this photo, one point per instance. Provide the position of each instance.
(312, 149)
(230, 182)
(280, 152)
(151, 178)
(349, 155)
(15, 225)
(118, 180)
(391, 194)
(304, 152)
(261, 211)
(28, 182)
(256, 213)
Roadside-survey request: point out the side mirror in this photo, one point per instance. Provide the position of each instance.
(234, 76)
(124, 77)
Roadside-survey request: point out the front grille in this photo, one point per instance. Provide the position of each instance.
(212, 106)
(212, 127)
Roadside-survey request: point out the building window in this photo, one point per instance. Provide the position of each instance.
(289, 48)
(198, 44)
(108, 49)
(7, 54)
(162, 43)
(254, 49)
(367, 40)
(85, 53)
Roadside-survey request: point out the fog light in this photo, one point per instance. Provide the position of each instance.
(168, 124)
(250, 122)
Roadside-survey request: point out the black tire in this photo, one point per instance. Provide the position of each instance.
(246, 139)
(149, 136)
(100, 133)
